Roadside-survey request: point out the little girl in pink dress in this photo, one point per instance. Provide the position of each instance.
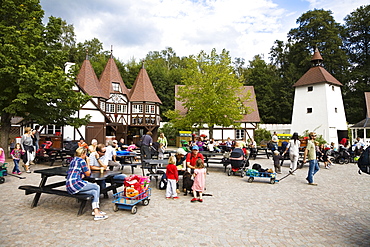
(199, 180)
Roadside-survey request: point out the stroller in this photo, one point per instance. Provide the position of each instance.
(238, 163)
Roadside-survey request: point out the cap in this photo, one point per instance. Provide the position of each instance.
(115, 141)
(195, 147)
(181, 151)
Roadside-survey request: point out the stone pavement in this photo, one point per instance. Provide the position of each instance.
(288, 213)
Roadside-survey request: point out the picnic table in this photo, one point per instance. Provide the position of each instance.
(130, 158)
(211, 155)
(62, 171)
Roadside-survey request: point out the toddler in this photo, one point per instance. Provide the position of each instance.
(276, 157)
(161, 151)
(199, 181)
(16, 154)
(172, 178)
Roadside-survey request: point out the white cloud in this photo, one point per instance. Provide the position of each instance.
(135, 27)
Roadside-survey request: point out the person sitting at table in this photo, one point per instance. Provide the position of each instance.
(180, 164)
(75, 184)
(121, 143)
(192, 157)
(111, 157)
(83, 144)
(98, 161)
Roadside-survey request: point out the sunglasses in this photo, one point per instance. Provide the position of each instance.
(101, 151)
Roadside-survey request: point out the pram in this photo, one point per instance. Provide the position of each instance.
(238, 163)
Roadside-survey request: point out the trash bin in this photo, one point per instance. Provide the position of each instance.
(183, 138)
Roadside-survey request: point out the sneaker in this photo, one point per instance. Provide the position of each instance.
(103, 217)
(101, 212)
(168, 198)
(28, 171)
(177, 191)
(312, 184)
(327, 167)
(19, 173)
(176, 197)
(194, 200)
(14, 173)
(200, 200)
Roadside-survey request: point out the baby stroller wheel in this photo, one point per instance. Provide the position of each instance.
(272, 180)
(250, 179)
(2, 180)
(242, 173)
(341, 161)
(346, 161)
(229, 171)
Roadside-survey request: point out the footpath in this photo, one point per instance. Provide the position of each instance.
(287, 213)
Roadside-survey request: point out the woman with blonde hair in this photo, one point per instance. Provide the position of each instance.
(78, 169)
(27, 146)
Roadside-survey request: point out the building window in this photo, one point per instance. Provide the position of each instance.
(102, 105)
(309, 110)
(110, 108)
(310, 89)
(150, 109)
(137, 108)
(239, 134)
(333, 88)
(121, 108)
(336, 110)
(116, 87)
(52, 129)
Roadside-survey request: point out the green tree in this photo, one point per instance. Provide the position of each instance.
(32, 80)
(357, 43)
(211, 93)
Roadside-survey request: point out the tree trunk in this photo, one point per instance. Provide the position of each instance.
(5, 125)
(211, 132)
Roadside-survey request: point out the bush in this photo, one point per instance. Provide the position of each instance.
(261, 135)
(170, 133)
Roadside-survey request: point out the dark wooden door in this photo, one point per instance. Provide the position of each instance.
(95, 131)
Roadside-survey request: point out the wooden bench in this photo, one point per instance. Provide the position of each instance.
(29, 189)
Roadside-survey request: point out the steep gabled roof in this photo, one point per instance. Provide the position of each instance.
(253, 117)
(88, 80)
(143, 90)
(111, 74)
(317, 73)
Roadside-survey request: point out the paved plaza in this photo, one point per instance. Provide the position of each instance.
(288, 213)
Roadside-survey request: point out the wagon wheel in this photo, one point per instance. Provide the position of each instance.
(229, 171)
(341, 161)
(346, 161)
(272, 180)
(115, 207)
(242, 173)
(250, 179)
(2, 180)
(134, 210)
(146, 202)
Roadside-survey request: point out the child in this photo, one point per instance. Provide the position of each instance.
(83, 144)
(199, 181)
(172, 178)
(16, 154)
(276, 157)
(161, 150)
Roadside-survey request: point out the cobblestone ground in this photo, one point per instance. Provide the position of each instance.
(288, 213)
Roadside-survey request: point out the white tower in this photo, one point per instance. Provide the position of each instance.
(318, 104)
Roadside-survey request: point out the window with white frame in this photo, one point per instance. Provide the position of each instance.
(150, 109)
(121, 108)
(110, 108)
(102, 105)
(239, 134)
(52, 129)
(137, 108)
(116, 86)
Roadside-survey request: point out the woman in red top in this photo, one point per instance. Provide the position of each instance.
(172, 178)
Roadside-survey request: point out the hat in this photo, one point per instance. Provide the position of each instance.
(195, 147)
(114, 141)
(276, 152)
(295, 134)
(181, 151)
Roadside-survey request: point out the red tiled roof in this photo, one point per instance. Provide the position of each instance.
(253, 117)
(88, 80)
(316, 55)
(111, 74)
(143, 90)
(316, 75)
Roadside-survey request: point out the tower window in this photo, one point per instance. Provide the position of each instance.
(310, 89)
(116, 87)
(336, 110)
(309, 110)
(333, 88)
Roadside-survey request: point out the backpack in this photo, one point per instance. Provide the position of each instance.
(163, 182)
(364, 161)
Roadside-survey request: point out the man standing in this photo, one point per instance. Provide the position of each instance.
(311, 152)
(274, 141)
(146, 142)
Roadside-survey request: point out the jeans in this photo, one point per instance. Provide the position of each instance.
(94, 190)
(116, 179)
(16, 166)
(313, 168)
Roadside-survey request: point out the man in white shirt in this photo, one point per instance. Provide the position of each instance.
(110, 156)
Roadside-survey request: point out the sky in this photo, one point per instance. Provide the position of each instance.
(245, 28)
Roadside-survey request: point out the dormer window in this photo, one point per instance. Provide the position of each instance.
(310, 89)
(116, 87)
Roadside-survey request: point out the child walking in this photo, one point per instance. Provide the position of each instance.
(161, 151)
(199, 181)
(16, 154)
(172, 178)
(276, 157)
